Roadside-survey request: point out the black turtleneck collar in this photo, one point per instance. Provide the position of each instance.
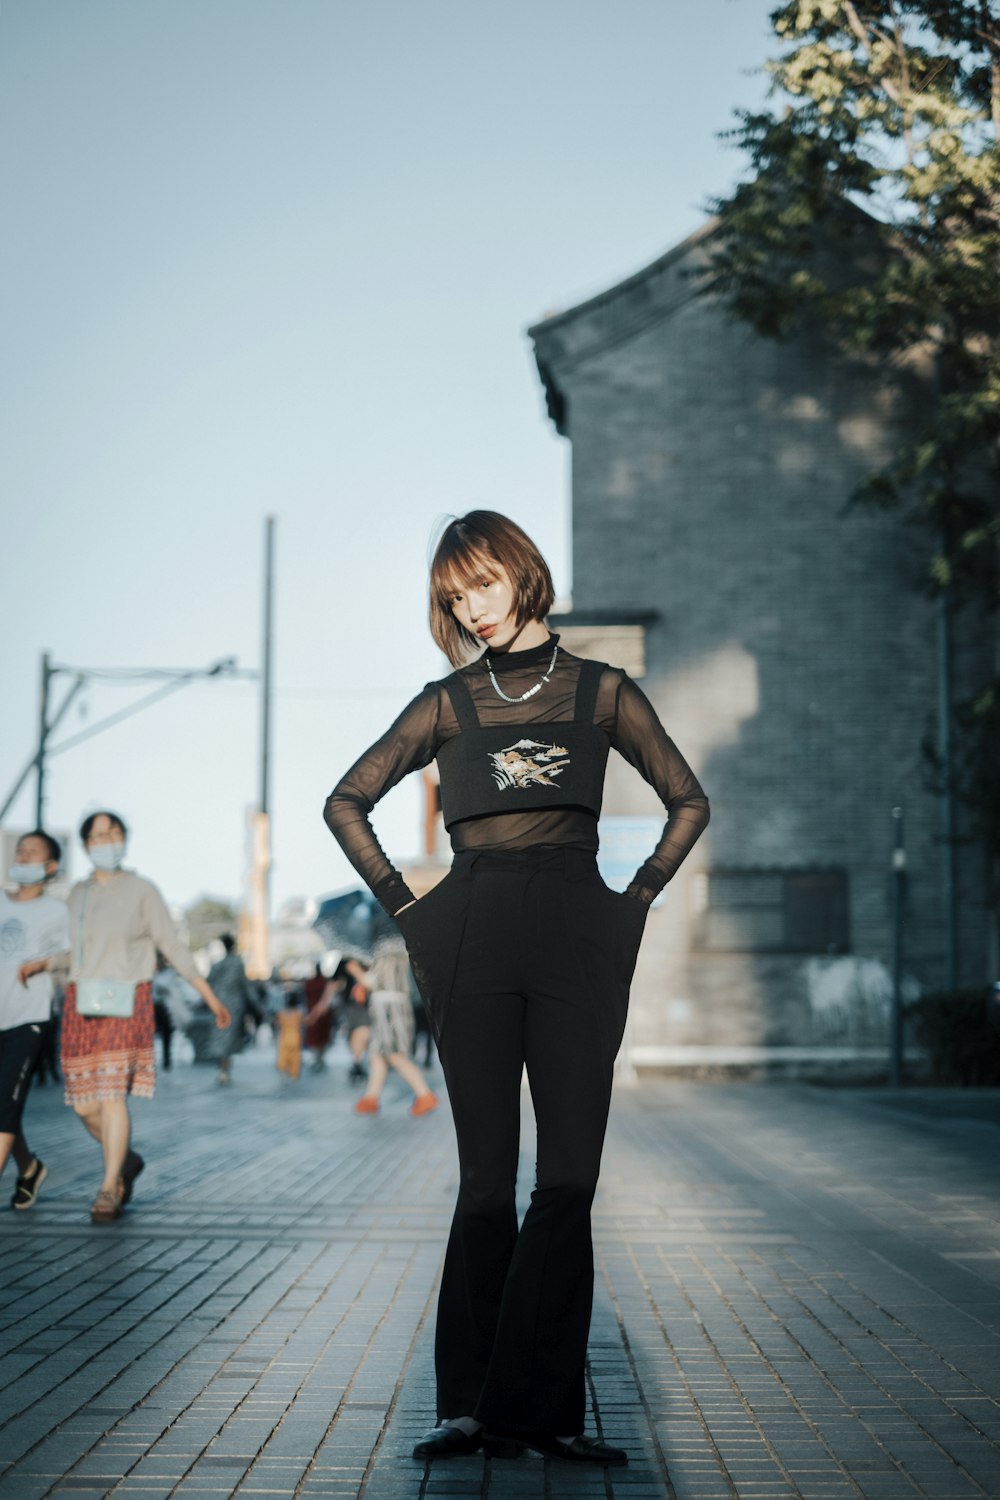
(536, 657)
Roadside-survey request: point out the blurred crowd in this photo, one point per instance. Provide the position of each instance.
(93, 986)
(308, 1016)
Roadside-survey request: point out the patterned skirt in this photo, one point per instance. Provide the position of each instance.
(392, 1021)
(108, 1057)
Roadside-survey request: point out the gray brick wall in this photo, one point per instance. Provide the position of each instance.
(794, 656)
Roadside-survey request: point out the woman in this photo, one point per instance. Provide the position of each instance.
(347, 998)
(228, 978)
(319, 1020)
(524, 958)
(388, 986)
(118, 921)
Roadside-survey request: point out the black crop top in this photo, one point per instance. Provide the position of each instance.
(477, 818)
(492, 769)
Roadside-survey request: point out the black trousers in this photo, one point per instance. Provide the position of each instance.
(524, 960)
(19, 1049)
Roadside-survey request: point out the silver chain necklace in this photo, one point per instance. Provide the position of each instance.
(532, 690)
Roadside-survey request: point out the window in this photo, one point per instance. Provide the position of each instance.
(772, 911)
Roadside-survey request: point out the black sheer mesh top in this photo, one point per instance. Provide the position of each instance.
(622, 710)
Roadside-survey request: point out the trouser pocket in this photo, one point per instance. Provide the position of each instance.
(432, 930)
(609, 928)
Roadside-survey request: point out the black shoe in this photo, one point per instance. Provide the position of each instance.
(26, 1187)
(448, 1442)
(130, 1171)
(578, 1450)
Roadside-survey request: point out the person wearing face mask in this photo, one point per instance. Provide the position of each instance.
(34, 937)
(118, 921)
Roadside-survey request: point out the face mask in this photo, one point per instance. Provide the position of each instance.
(106, 856)
(27, 874)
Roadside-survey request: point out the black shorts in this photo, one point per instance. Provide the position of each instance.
(19, 1048)
(355, 1015)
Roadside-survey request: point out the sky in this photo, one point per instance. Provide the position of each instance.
(278, 257)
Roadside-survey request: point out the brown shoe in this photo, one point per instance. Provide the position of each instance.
(424, 1103)
(106, 1208)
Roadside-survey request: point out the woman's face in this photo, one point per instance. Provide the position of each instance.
(105, 831)
(485, 607)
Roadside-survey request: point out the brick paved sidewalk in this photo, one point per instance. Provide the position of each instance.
(798, 1295)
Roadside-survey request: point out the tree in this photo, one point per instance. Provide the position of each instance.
(887, 146)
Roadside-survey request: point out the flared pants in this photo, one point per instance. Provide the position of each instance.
(524, 959)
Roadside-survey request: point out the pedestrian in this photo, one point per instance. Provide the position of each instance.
(172, 993)
(421, 1023)
(47, 1062)
(319, 993)
(524, 957)
(388, 985)
(288, 1058)
(34, 940)
(118, 920)
(228, 978)
(348, 979)
(163, 1021)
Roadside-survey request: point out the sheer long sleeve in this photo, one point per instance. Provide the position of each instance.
(640, 737)
(411, 742)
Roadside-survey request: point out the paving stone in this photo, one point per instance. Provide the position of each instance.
(798, 1295)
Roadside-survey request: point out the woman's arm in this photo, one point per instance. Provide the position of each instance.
(164, 934)
(641, 738)
(412, 742)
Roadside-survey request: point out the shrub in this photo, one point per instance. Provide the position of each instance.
(955, 1028)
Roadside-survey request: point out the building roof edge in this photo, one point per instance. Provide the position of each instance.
(628, 283)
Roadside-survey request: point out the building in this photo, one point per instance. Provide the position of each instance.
(790, 651)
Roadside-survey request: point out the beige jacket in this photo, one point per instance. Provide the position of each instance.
(125, 922)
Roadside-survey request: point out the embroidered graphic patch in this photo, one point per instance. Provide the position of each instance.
(528, 763)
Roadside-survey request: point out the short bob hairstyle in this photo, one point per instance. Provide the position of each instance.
(472, 547)
(87, 826)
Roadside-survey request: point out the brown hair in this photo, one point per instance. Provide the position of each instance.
(470, 546)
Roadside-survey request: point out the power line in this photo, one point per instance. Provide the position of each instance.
(123, 713)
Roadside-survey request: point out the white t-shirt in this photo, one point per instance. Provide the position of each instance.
(28, 929)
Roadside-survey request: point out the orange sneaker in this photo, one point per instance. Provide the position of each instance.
(366, 1106)
(424, 1104)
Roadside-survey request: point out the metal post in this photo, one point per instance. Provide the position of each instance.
(898, 897)
(947, 789)
(259, 966)
(43, 734)
(265, 692)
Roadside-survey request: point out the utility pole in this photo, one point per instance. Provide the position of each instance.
(259, 966)
(947, 788)
(43, 734)
(171, 678)
(898, 900)
(265, 685)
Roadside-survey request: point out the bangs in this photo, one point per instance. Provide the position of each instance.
(456, 567)
(482, 545)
